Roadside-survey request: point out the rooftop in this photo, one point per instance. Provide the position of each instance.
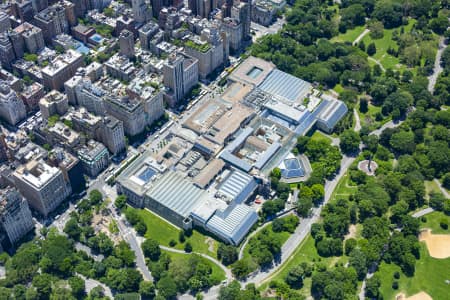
(253, 70)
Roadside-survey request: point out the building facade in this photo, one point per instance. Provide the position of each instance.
(12, 108)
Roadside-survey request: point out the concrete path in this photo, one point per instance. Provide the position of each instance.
(358, 120)
(443, 190)
(377, 62)
(90, 284)
(360, 37)
(437, 66)
(422, 212)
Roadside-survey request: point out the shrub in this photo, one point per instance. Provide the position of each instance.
(423, 219)
(395, 285)
(188, 247)
(397, 275)
(444, 224)
(172, 243)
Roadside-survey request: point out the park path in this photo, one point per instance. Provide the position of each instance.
(90, 284)
(242, 248)
(443, 190)
(358, 121)
(377, 62)
(360, 37)
(437, 66)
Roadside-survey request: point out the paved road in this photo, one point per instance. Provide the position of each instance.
(437, 66)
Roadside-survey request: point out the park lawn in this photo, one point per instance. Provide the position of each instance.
(217, 275)
(163, 232)
(433, 220)
(430, 276)
(349, 36)
(343, 189)
(338, 88)
(431, 187)
(305, 252)
(318, 136)
(387, 60)
(368, 118)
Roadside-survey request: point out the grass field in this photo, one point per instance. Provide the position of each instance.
(317, 135)
(217, 273)
(433, 220)
(349, 36)
(430, 277)
(343, 189)
(164, 232)
(388, 61)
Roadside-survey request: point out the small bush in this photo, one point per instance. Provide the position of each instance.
(395, 285)
(172, 243)
(423, 219)
(397, 275)
(444, 224)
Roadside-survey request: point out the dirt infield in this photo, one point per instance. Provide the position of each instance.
(438, 244)
(418, 296)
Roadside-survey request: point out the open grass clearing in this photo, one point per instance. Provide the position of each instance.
(349, 36)
(217, 273)
(163, 232)
(432, 222)
(430, 276)
(432, 187)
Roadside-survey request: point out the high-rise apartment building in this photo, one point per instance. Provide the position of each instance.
(12, 108)
(242, 12)
(129, 110)
(32, 37)
(126, 43)
(52, 21)
(141, 11)
(42, 185)
(112, 134)
(5, 23)
(180, 76)
(146, 34)
(15, 215)
(61, 69)
(23, 10)
(233, 29)
(7, 55)
(94, 157)
(54, 103)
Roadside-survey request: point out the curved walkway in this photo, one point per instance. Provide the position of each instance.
(360, 37)
(437, 66)
(358, 121)
(443, 190)
(377, 62)
(242, 248)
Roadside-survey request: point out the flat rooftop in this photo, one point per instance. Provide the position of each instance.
(285, 86)
(236, 92)
(253, 71)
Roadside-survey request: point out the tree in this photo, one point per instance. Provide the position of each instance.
(124, 253)
(188, 247)
(72, 229)
(43, 285)
(304, 206)
(318, 193)
(95, 197)
(349, 245)
(167, 287)
(151, 249)
(132, 216)
(147, 290)
(181, 237)
(373, 287)
(228, 254)
(77, 286)
(349, 142)
(295, 277)
(363, 105)
(124, 280)
(439, 24)
(141, 228)
(241, 268)
(358, 261)
(121, 201)
(403, 142)
(371, 49)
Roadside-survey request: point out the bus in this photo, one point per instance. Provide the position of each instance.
(166, 127)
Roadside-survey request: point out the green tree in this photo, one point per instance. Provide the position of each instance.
(167, 287)
(188, 247)
(43, 285)
(151, 249)
(147, 290)
(95, 197)
(371, 49)
(227, 254)
(349, 142)
(77, 286)
(121, 201)
(72, 229)
(403, 142)
(295, 277)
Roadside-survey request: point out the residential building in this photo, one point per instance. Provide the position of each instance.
(94, 157)
(129, 110)
(146, 33)
(233, 29)
(89, 95)
(112, 134)
(32, 37)
(242, 12)
(23, 10)
(5, 24)
(82, 33)
(126, 43)
(7, 55)
(61, 135)
(70, 167)
(12, 108)
(120, 67)
(141, 11)
(54, 103)
(42, 185)
(180, 76)
(52, 21)
(83, 121)
(61, 69)
(31, 95)
(15, 215)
